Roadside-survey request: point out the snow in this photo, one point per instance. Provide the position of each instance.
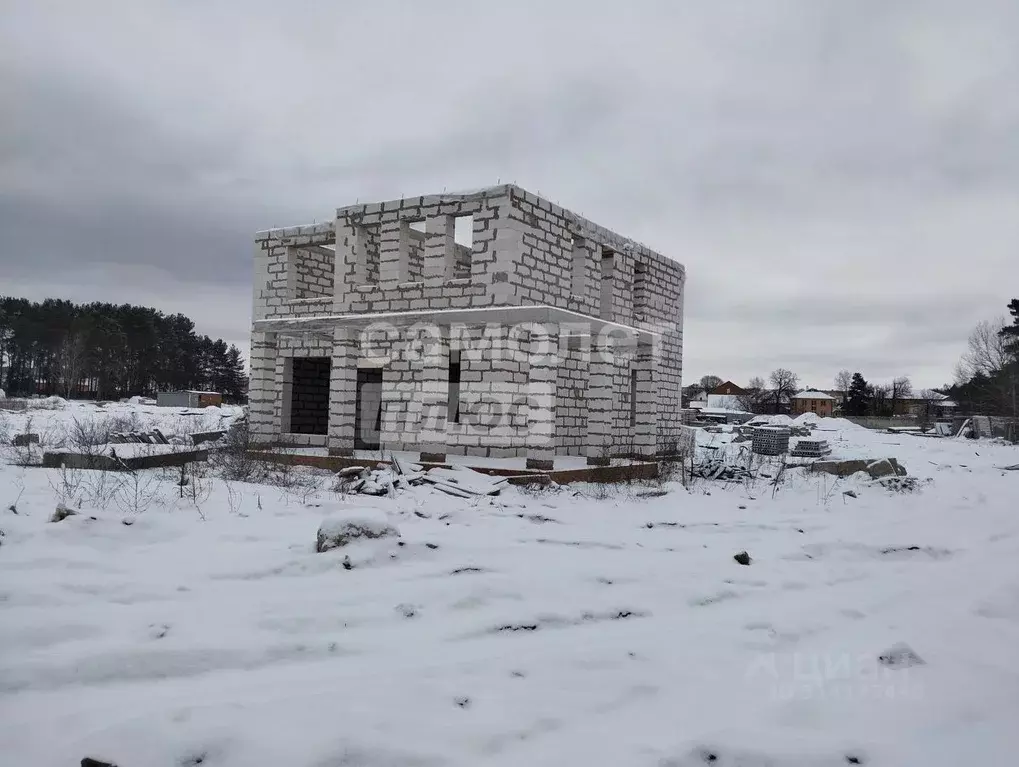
(724, 402)
(61, 424)
(811, 394)
(587, 625)
(723, 411)
(771, 420)
(138, 450)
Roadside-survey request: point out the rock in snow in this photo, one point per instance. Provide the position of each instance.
(62, 513)
(743, 558)
(341, 528)
(900, 656)
(885, 467)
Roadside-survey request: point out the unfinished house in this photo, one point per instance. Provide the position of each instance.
(486, 323)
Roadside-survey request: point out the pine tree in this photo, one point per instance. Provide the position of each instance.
(234, 383)
(1011, 332)
(859, 397)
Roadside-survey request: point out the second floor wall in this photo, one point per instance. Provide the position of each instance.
(500, 246)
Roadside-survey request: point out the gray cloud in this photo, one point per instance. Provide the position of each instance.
(840, 179)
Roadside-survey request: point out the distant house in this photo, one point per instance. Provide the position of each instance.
(927, 405)
(838, 400)
(813, 401)
(188, 398)
(694, 393)
(728, 388)
(726, 396)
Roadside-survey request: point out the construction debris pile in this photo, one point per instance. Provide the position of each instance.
(154, 437)
(386, 479)
(718, 465)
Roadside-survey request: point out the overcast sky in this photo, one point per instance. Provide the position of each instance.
(840, 178)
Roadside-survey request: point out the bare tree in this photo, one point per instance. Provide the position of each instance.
(752, 400)
(986, 351)
(70, 362)
(784, 384)
(710, 382)
(843, 380)
(901, 389)
(879, 394)
(989, 358)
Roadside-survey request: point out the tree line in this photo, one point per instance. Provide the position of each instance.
(106, 351)
(986, 382)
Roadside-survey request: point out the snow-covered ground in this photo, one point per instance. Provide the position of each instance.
(57, 421)
(579, 626)
(61, 424)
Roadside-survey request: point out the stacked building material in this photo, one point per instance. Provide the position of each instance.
(811, 448)
(770, 440)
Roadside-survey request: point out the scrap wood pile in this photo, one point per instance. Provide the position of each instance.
(386, 479)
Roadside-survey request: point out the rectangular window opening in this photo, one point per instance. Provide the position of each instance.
(607, 282)
(453, 408)
(633, 398)
(463, 246)
(368, 253)
(415, 250)
(639, 292)
(578, 260)
(368, 409)
(309, 395)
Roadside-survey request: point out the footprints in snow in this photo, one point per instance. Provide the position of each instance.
(726, 757)
(558, 621)
(863, 551)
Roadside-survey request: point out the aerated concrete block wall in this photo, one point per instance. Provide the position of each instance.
(563, 259)
(571, 396)
(429, 270)
(313, 272)
(494, 371)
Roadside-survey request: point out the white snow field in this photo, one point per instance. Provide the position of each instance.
(579, 626)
